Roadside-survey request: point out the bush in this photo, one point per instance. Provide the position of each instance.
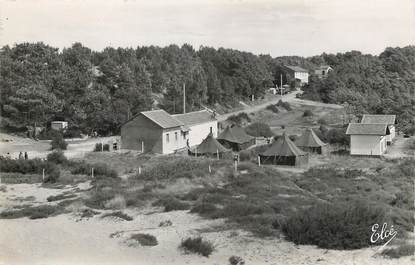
(100, 169)
(204, 208)
(245, 155)
(337, 226)
(145, 239)
(308, 113)
(60, 197)
(172, 204)
(118, 202)
(35, 212)
(258, 129)
(197, 245)
(273, 108)
(401, 251)
(98, 147)
(285, 105)
(30, 166)
(235, 260)
(57, 157)
(119, 215)
(322, 121)
(239, 118)
(58, 142)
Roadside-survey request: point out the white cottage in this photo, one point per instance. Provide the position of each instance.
(200, 124)
(384, 119)
(367, 139)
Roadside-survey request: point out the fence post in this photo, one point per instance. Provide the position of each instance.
(210, 170)
(217, 154)
(142, 146)
(139, 170)
(43, 175)
(102, 147)
(92, 172)
(259, 161)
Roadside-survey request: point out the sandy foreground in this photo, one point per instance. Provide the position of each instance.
(67, 239)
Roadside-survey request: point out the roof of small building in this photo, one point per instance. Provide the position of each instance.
(309, 139)
(196, 117)
(235, 134)
(323, 67)
(162, 118)
(373, 118)
(296, 68)
(367, 129)
(283, 147)
(210, 146)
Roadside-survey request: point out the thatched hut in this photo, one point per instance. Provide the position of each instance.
(210, 147)
(235, 138)
(310, 142)
(284, 152)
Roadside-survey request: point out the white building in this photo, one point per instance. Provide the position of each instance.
(297, 73)
(322, 71)
(367, 139)
(384, 119)
(59, 125)
(200, 124)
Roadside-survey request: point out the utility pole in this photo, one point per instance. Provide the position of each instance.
(184, 98)
(281, 84)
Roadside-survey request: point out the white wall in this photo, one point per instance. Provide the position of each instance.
(392, 131)
(198, 132)
(302, 76)
(173, 144)
(367, 145)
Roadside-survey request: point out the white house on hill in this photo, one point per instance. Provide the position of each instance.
(200, 124)
(297, 73)
(384, 119)
(367, 139)
(322, 71)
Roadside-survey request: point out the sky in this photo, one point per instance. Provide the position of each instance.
(275, 27)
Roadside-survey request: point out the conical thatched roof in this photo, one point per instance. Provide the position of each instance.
(210, 146)
(235, 134)
(309, 139)
(283, 147)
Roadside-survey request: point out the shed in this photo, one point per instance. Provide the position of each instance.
(284, 152)
(235, 138)
(367, 139)
(310, 142)
(384, 119)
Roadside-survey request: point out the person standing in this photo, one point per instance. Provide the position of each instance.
(20, 155)
(25, 156)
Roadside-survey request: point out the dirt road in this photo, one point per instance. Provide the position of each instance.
(288, 98)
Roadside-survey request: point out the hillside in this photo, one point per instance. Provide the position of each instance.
(99, 90)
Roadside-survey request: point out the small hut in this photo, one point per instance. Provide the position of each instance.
(210, 147)
(284, 152)
(310, 142)
(235, 138)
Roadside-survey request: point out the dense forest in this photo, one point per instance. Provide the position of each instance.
(101, 90)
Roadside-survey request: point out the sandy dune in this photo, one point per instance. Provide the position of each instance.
(65, 239)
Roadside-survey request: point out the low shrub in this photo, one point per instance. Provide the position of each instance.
(57, 157)
(197, 245)
(235, 260)
(172, 204)
(98, 147)
(285, 105)
(204, 208)
(19, 178)
(337, 226)
(30, 166)
(308, 113)
(58, 142)
(60, 197)
(33, 212)
(272, 108)
(322, 121)
(119, 215)
(239, 118)
(145, 239)
(245, 155)
(100, 169)
(400, 251)
(118, 202)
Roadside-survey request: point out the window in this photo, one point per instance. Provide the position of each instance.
(175, 136)
(167, 137)
(210, 129)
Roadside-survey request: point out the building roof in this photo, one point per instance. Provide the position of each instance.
(323, 67)
(371, 118)
(162, 118)
(210, 146)
(309, 139)
(283, 147)
(235, 134)
(367, 129)
(196, 117)
(296, 68)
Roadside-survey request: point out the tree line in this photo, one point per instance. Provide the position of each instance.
(100, 90)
